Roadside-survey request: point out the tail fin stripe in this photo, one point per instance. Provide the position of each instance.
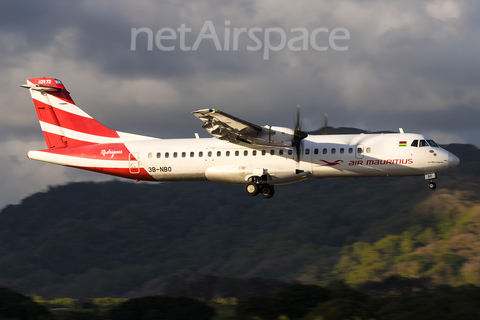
(71, 141)
(65, 105)
(75, 122)
(80, 136)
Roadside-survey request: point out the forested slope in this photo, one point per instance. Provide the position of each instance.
(120, 238)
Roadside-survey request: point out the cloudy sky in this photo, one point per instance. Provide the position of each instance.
(402, 63)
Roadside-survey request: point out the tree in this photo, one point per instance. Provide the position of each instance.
(342, 308)
(267, 308)
(17, 306)
(162, 308)
(298, 299)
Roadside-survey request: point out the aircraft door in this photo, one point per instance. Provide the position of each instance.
(359, 151)
(307, 155)
(133, 166)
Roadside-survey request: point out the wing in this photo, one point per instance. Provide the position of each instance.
(223, 126)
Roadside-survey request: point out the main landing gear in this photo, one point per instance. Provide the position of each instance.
(266, 191)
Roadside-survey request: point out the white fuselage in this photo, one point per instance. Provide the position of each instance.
(322, 156)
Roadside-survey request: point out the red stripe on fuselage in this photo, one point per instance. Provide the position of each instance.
(74, 122)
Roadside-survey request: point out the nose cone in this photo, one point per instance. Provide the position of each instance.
(453, 160)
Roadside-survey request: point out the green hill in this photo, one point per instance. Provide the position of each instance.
(125, 239)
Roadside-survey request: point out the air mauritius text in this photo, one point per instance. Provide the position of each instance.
(298, 39)
(379, 162)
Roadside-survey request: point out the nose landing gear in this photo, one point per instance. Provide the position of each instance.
(431, 185)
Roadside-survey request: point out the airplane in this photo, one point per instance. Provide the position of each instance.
(240, 152)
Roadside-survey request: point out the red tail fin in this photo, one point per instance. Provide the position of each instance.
(62, 122)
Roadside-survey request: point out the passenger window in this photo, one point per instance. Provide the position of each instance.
(324, 150)
(192, 154)
(290, 152)
(423, 143)
(167, 154)
(158, 154)
(414, 143)
(333, 151)
(227, 153)
(342, 151)
(184, 154)
(219, 153)
(149, 155)
(254, 152)
(359, 150)
(237, 153)
(350, 150)
(281, 152)
(245, 153)
(209, 153)
(200, 154)
(175, 154)
(307, 151)
(369, 150)
(315, 151)
(264, 152)
(272, 152)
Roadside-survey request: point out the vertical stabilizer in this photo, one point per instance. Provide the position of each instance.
(62, 122)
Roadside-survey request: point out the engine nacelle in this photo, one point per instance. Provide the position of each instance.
(274, 136)
(235, 174)
(241, 173)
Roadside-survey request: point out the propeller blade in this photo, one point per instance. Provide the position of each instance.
(298, 134)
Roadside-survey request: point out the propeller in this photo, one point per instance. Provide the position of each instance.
(298, 135)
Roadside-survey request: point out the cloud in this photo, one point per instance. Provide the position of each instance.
(443, 10)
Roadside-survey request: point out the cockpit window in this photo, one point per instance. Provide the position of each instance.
(423, 143)
(414, 143)
(432, 143)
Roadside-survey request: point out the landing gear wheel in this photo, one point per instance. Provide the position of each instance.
(432, 185)
(267, 191)
(251, 189)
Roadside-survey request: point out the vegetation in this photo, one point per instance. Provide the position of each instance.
(14, 305)
(442, 244)
(130, 240)
(342, 302)
(162, 307)
(293, 302)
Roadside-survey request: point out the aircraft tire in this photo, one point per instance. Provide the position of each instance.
(251, 189)
(267, 191)
(432, 185)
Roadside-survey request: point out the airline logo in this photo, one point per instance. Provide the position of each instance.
(402, 143)
(330, 164)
